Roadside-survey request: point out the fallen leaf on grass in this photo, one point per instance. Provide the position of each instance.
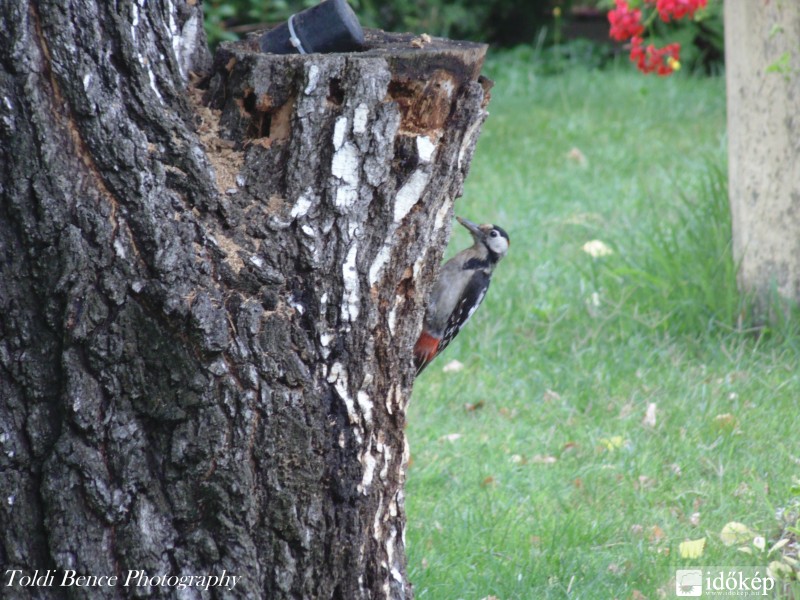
(597, 248)
(778, 545)
(470, 407)
(576, 156)
(742, 490)
(644, 482)
(637, 595)
(543, 460)
(488, 481)
(694, 519)
(612, 443)
(656, 533)
(453, 366)
(692, 548)
(725, 421)
(550, 396)
(735, 533)
(779, 570)
(650, 415)
(592, 304)
(450, 437)
(569, 446)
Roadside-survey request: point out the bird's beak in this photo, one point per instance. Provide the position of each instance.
(473, 228)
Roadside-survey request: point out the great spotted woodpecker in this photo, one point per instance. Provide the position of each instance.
(459, 289)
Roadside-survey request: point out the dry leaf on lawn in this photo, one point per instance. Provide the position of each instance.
(650, 415)
(692, 548)
(735, 533)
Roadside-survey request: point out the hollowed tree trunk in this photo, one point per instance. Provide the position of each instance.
(208, 298)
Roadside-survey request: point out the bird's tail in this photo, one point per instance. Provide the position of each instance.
(425, 350)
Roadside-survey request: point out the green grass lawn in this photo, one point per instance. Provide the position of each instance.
(534, 471)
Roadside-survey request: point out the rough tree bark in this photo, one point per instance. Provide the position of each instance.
(208, 299)
(762, 64)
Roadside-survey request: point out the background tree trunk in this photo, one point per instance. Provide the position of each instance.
(208, 307)
(762, 65)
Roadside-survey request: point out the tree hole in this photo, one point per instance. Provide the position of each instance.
(335, 92)
(260, 120)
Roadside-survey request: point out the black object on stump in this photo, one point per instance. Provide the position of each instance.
(330, 26)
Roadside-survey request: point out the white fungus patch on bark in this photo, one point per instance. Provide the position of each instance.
(410, 193)
(351, 296)
(184, 42)
(339, 132)
(441, 214)
(339, 378)
(119, 248)
(153, 86)
(344, 165)
(303, 204)
(325, 339)
(293, 302)
(368, 461)
(392, 317)
(360, 118)
(376, 268)
(365, 404)
(134, 20)
(425, 148)
(313, 79)
(377, 523)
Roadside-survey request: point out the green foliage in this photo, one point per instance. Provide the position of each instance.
(677, 276)
(493, 20)
(536, 471)
(501, 22)
(221, 15)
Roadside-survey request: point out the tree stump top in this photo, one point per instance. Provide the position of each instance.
(427, 74)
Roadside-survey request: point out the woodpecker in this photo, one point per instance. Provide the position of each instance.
(459, 290)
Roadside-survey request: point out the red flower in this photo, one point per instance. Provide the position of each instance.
(663, 61)
(677, 9)
(625, 23)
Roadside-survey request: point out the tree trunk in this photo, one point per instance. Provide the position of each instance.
(208, 306)
(762, 63)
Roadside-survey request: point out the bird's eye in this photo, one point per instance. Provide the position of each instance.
(494, 233)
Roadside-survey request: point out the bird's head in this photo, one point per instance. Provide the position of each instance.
(493, 237)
